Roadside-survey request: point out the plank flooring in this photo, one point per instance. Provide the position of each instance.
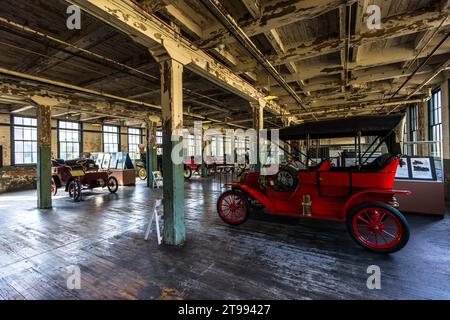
(265, 258)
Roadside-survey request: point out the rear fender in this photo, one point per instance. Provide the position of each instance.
(258, 195)
(370, 195)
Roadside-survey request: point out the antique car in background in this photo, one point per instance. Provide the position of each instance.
(76, 175)
(360, 195)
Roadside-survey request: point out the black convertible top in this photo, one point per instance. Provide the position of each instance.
(379, 125)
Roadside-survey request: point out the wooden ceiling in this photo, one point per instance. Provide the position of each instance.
(322, 48)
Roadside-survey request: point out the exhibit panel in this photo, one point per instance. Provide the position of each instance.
(119, 164)
(421, 172)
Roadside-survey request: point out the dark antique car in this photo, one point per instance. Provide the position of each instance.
(360, 195)
(75, 175)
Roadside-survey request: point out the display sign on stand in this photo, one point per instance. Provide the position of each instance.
(416, 168)
(403, 169)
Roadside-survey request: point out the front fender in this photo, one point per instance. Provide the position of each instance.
(258, 195)
(370, 195)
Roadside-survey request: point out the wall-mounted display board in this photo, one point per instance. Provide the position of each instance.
(416, 168)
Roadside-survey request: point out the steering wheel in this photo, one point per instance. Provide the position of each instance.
(81, 162)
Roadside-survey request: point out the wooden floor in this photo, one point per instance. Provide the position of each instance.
(261, 259)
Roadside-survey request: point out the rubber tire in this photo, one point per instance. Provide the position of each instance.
(142, 174)
(244, 198)
(385, 206)
(189, 170)
(54, 187)
(293, 173)
(77, 186)
(116, 184)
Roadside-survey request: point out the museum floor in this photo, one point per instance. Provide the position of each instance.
(265, 258)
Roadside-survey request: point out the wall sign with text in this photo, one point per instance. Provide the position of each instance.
(416, 168)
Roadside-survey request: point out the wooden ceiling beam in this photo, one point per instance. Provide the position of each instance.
(274, 14)
(395, 26)
(361, 9)
(182, 14)
(92, 37)
(149, 31)
(375, 58)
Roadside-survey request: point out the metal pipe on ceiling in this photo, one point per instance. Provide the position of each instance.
(34, 79)
(420, 66)
(105, 61)
(433, 75)
(222, 15)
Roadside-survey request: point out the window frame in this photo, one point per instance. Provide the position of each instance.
(13, 140)
(134, 135)
(435, 126)
(80, 136)
(118, 133)
(432, 110)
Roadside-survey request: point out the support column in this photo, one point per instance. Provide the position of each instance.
(258, 124)
(445, 107)
(44, 157)
(151, 152)
(172, 124)
(204, 148)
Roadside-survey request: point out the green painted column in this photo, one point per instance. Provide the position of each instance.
(172, 124)
(151, 152)
(44, 157)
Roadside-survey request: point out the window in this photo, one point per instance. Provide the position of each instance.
(228, 149)
(435, 121)
(220, 146)
(111, 139)
(134, 140)
(191, 145)
(25, 140)
(413, 126)
(159, 142)
(69, 140)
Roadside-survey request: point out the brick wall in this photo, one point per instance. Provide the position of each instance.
(5, 140)
(17, 178)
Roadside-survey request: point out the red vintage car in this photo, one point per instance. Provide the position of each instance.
(361, 195)
(74, 175)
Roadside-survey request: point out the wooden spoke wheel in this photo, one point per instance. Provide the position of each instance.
(287, 179)
(142, 173)
(233, 207)
(187, 172)
(113, 184)
(54, 188)
(75, 190)
(378, 227)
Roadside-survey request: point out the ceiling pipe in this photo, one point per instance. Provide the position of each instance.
(52, 83)
(228, 22)
(105, 61)
(375, 105)
(436, 72)
(418, 68)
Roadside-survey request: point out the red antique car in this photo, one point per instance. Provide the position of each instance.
(360, 195)
(74, 175)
